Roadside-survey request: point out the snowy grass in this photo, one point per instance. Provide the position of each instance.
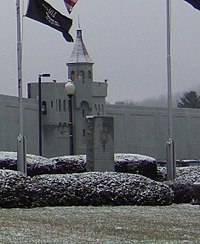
(106, 224)
(124, 224)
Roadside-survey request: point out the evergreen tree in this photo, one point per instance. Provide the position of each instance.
(189, 100)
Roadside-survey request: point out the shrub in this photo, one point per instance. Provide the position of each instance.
(17, 190)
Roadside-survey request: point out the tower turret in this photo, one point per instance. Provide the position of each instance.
(80, 64)
(89, 97)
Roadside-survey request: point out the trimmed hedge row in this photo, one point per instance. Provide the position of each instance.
(182, 187)
(125, 163)
(17, 190)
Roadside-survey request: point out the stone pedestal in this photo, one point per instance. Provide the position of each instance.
(100, 144)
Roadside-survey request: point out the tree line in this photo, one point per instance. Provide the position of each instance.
(189, 99)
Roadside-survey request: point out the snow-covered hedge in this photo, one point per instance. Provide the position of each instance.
(136, 164)
(182, 186)
(183, 191)
(36, 165)
(69, 164)
(17, 190)
(127, 163)
(188, 174)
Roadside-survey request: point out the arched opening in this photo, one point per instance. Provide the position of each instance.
(81, 75)
(73, 75)
(44, 107)
(89, 74)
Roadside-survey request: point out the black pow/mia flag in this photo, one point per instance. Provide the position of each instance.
(195, 3)
(43, 12)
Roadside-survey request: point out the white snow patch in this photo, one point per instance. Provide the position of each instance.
(70, 158)
(132, 157)
(117, 157)
(8, 155)
(32, 159)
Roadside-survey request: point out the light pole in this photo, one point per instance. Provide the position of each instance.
(40, 109)
(21, 142)
(70, 90)
(170, 146)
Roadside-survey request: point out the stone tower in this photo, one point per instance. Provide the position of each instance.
(89, 98)
(80, 71)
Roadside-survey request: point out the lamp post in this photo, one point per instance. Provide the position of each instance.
(21, 142)
(70, 90)
(170, 146)
(40, 109)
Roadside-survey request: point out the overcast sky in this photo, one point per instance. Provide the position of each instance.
(126, 40)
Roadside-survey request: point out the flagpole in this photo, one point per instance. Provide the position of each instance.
(21, 154)
(170, 147)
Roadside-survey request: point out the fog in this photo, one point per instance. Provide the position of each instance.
(126, 41)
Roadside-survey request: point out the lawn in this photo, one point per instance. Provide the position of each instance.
(123, 224)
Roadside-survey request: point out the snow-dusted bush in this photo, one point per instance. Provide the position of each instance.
(161, 173)
(8, 160)
(69, 164)
(97, 188)
(183, 191)
(17, 190)
(127, 163)
(136, 164)
(36, 165)
(188, 174)
(182, 186)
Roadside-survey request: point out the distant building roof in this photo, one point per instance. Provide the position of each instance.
(79, 53)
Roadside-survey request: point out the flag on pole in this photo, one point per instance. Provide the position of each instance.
(43, 12)
(194, 3)
(70, 4)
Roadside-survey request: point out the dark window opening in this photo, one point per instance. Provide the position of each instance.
(64, 105)
(73, 76)
(82, 75)
(59, 104)
(89, 74)
(44, 108)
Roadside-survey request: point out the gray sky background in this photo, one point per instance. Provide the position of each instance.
(126, 40)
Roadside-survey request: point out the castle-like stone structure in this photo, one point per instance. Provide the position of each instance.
(89, 99)
(138, 130)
